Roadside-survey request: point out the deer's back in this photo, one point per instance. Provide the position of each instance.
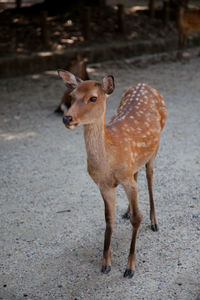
(141, 105)
(137, 125)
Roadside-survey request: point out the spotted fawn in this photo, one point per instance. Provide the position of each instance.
(117, 151)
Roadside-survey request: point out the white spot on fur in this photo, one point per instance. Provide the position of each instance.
(132, 156)
(139, 145)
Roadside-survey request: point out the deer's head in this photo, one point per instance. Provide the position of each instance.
(87, 97)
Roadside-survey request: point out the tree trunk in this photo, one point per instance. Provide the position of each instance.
(166, 12)
(18, 4)
(152, 8)
(86, 18)
(120, 15)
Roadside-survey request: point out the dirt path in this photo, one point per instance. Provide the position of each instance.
(52, 218)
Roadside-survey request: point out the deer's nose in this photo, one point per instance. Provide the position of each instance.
(67, 120)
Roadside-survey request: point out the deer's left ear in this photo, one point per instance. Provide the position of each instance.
(70, 80)
(108, 84)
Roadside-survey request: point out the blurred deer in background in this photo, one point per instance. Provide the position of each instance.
(117, 151)
(78, 67)
(188, 23)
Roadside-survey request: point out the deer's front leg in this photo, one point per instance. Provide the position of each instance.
(108, 195)
(135, 219)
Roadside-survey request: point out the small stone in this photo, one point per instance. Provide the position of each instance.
(179, 283)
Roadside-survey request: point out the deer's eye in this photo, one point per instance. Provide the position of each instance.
(93, 99)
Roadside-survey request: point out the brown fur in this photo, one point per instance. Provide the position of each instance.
(117, 151)
(189, 22)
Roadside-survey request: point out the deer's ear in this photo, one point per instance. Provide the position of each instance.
(70, 80)
(108, 84)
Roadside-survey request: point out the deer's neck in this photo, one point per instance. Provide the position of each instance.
(95, 142)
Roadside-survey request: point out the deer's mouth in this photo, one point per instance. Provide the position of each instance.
(69, 122)
(72, 126)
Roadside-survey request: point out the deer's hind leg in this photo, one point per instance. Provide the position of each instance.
(127, 213)
(149, 176)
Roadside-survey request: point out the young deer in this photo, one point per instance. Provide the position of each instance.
(116, 151)
(188, 23)
(78, 67)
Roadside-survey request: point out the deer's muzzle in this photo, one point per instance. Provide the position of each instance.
(67, 120)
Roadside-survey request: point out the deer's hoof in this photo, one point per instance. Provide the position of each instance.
(126, 216)
(129, 273)
(105, 269)
(154, 227)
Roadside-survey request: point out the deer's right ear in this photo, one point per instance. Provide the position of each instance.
(70, 80)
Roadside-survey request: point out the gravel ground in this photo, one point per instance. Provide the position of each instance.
(52, 215)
